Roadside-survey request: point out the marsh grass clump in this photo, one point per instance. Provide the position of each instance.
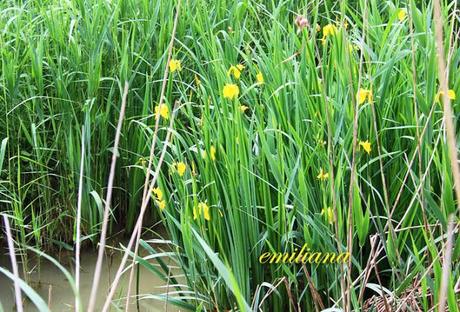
(250, 127)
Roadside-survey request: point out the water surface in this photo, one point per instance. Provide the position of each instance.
(54, 288)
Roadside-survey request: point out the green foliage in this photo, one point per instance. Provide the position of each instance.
(63, 67)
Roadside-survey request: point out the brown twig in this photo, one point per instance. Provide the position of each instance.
(291, 298)
(315, 294)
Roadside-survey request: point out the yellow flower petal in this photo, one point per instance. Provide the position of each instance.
(207, 215)
(181, 168)
(322, 175)
(231, 91)
(243, 108)
(213, 153)
(329, 214)
(402, 13)
(195, 213)
(175, 65)
(260, 78)
(363, 95)
(162, 110)
(370, 96)
(450, 94)
(161, 204)
(329, 30)
(366, 145)
(157, 191)
(235, 71)
(202, 207)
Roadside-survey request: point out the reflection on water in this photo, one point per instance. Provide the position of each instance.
(54, 288)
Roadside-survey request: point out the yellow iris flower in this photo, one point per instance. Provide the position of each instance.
(231, 91)
(202, 207)
(402, 13)
(161, 204)
(162, 110)
(328, 30)
(235, 71)
(450, 94)
(213, 153)
(322, 175)
(363, 95)
(158, 192)
(260, 78)
(366, 145)
(159, 198)
(329, 214)
(181, 167)
(175, 65)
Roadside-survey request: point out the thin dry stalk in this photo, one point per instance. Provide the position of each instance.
(291, 298)
(404, 180)
(50, 293)
(375, 252)
(450, 128)
(427, 271)
(167, 290)
(448, 116)
(14, 265)
(446, 266)
(422, 180)
(138, 225)
(105, 220)
(269, 292)
(78, 234)
(385, 302)
(330, 149)
(146, 192)
(347, 298)
(319, 305)
(417, 126)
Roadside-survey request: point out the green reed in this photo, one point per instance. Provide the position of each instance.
(281, 176)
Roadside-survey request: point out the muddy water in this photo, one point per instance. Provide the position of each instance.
(54, 288)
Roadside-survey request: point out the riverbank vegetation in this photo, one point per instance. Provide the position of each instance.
(239, 127)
